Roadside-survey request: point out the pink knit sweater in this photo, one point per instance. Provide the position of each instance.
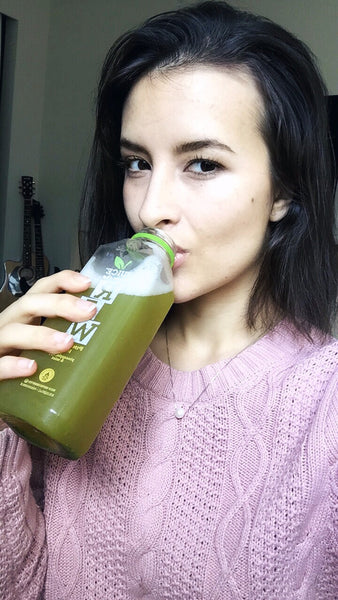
(237, 500)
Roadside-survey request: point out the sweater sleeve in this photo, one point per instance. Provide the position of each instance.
(327, 582)
(332, 442)
(23, 555)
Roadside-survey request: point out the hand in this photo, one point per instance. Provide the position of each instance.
(20, 327)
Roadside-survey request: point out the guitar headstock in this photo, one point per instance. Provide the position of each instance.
(27, 187)
(37, 210)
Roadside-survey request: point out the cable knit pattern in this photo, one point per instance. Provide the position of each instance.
(22, 532)
(237, 500)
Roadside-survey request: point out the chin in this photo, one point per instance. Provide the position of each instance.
(182, 296)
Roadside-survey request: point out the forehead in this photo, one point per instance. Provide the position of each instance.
(195, 98)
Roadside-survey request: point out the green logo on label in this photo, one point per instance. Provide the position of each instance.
(120, 264)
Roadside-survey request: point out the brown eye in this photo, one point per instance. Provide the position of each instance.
(207, 165)
(136, 164)
(199, 166)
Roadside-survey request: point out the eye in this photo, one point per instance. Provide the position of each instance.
(133, 165)
(202, 166)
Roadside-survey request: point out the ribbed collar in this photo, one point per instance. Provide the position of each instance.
(274, 352)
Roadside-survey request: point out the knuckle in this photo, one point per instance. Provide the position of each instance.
(40, 285)
(25, 308)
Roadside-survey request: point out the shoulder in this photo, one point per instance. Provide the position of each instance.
(316, 352)
(309, 386)
(312, 365)
(318, 359)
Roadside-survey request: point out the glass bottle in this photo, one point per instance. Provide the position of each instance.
(62, 407)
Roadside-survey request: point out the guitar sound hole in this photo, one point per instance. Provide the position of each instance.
(20, 280)
(28, 274)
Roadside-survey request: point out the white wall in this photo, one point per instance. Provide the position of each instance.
(314, 21)
(24, 116)
(53, 116)
(80, 35)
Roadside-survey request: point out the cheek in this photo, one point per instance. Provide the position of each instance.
(239, 224)
(130, 206)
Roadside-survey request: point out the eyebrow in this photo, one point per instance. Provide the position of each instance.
(180, 148)
(200, 144)
(132, 146)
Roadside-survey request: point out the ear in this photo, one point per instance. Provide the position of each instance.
(279, 209)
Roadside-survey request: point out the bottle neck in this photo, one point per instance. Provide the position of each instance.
(158, 237)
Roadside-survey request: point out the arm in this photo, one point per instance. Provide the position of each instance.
(23, 552)
(23, 555)
(328, 585)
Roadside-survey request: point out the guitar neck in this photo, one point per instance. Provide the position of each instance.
(39, 257)
(27, 234)
(41, 263)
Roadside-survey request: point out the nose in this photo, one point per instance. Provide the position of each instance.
(160, 201)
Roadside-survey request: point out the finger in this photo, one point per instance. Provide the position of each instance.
(16, 366)
(67, 306)
(66, 280)
(16, 337)
(31, 307)
(22, 310)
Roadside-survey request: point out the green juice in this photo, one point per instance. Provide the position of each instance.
(62, 407)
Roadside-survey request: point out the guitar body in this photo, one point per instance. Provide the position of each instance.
(18, 280)
(10, 289)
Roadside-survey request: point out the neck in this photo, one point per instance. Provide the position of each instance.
(205, 331)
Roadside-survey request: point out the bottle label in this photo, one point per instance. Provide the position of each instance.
(83, 332)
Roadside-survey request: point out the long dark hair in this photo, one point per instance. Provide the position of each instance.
(298, 261)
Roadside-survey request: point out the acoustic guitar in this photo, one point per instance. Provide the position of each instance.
(20, 276)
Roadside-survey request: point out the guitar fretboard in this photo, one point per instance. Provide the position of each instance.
(27, 239)
(39, 257)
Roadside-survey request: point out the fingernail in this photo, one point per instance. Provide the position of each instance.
(62, 338)
(25, 364)
(84, 278)
(86, 306)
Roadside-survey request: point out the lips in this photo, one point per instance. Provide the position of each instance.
(180, 257)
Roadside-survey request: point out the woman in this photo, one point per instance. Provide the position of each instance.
(215, 474)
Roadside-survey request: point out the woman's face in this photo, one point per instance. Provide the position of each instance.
(196, 166)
